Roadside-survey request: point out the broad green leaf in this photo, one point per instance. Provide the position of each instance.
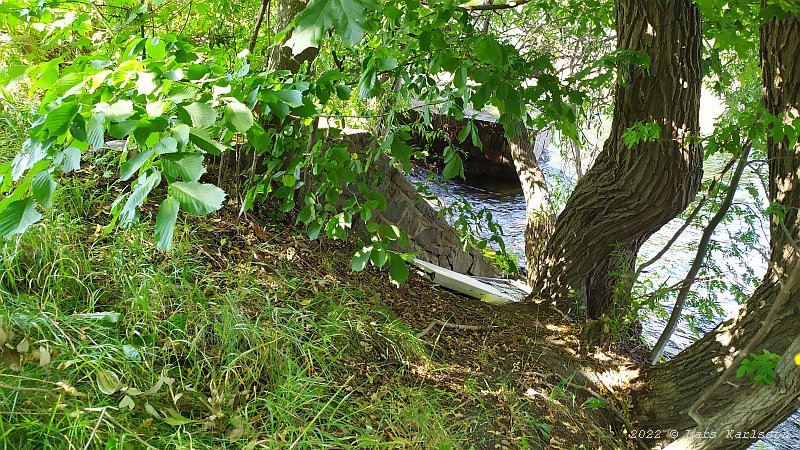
(165, 223)
(200, 115)
(452, 168)
(18, 216)
(343, 91)
(379, 254)
(166, 145)
(129, 167)
(32, 152)
(175, 418)
(59, 120)
(145, 184)
(345, 16)
(203, 141)
(187, 166)
(306, 215)
(402, 152)
(116, 112)
(315, 227)
(360, 259)
(197, 198)
(368, 85)
(181, 134)
(146, 83)
(398, 269)
(291, 97)
(43, 187)
(238, 116)
(95, 131)
(155, 48)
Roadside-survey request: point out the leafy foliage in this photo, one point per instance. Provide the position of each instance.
(759, 368)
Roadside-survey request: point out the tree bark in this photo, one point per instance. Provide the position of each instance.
(739, 405)
(282, 58)
(630, 193)
(539, 214)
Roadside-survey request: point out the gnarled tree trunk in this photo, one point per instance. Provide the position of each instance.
(742, 406)
(630, 193)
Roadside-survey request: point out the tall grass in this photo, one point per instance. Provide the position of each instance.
(109, 344)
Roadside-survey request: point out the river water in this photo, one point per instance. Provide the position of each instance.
(507, 206)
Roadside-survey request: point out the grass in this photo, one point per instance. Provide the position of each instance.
(167, 351)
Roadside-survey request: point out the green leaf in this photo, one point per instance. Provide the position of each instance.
(197, 198)
(398, 269)
(18, 216)
(156, 49)
(360, 259)
(402, 152)
(167, 145)
(165, 222)
(116, 112)
(175, 418)
(68, 159)
(203, 141)
(181, 134)
(379, 255)
(200, 115)
(129, 167)
(146, 83)
(32, 152)
(344, 92)
(291, 97)
(145, 184)
(453, 167)
(314, 229)
(238, 116)
(187, 166)
(345, 16)
(43, 187)
(306, 215)
(59, 119)
(95, 131)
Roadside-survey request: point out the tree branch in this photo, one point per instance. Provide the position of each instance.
(493, 7)
(700, 256)
(688, 221)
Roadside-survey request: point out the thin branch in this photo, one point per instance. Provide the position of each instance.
(700, 255)
(94, 430)
(688, 221)
(493, 7)
(110, 418)
(452, 326)
(257, 27)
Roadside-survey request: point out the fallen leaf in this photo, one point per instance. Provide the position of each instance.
(127, 402)
(107, 382)
(24, 346)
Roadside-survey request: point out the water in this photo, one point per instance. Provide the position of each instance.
(506, 203)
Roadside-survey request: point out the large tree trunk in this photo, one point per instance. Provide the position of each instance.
(539, 215)
(738, 404)
(282, 57)
(630, 193)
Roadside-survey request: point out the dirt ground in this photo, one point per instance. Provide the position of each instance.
(502, 363)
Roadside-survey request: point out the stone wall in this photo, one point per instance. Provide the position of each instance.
(432, 238)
